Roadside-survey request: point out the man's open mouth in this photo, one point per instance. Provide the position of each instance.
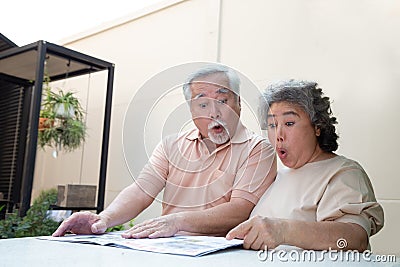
(216, 127)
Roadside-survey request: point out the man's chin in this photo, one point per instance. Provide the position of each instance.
(219, 139)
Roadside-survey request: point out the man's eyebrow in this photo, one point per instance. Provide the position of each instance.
(198, 96)
(287, 113)
(222, 91)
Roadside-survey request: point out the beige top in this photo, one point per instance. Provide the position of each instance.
(336, 189)
(195, 179)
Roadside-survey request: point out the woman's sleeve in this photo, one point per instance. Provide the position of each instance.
(349, 197)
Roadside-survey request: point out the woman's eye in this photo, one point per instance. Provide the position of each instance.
(289, 123)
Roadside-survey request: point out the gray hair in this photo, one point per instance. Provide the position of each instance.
(234, 80)
(311, 99)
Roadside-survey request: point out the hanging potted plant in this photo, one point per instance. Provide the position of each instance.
(61, 124)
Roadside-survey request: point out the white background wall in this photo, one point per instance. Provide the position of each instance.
(351, 48)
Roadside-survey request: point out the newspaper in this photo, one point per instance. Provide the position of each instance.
(177, 245)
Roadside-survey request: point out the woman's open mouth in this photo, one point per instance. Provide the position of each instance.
(282, 153)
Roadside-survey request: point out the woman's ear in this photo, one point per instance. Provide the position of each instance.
(317, 131)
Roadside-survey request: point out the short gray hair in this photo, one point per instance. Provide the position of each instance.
(234, 80)
(311, 99)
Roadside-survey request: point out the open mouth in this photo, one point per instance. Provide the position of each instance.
(282, 153)
(216, 127)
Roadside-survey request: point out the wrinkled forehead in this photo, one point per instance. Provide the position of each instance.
(284, 108)
(212, 92)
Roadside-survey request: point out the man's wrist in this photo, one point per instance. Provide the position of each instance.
(181, 221)
(106, 219)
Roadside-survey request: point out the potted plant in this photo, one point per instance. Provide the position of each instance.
(37, 221)
(61, 122)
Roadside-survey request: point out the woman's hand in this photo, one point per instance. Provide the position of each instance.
(258, 232)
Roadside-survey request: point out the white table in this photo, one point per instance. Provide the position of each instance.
(33, 252)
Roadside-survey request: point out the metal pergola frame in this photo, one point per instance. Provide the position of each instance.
(28, 63)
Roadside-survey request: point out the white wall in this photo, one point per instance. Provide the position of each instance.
(351, 48)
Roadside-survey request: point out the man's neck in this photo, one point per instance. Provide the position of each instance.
(211, 146)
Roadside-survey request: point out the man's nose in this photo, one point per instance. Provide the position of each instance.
(214, 110)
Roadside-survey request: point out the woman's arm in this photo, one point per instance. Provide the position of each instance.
(259, 232)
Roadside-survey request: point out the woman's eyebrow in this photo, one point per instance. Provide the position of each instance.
(287, 113)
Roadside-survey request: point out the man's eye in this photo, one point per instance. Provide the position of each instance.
(203, 105)
(222, 101)
(271, 125)
(289, 123)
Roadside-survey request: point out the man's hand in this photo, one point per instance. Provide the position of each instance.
(82, 223)
(259, 232)
(164, 226)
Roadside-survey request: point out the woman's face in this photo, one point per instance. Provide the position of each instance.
(292, 134)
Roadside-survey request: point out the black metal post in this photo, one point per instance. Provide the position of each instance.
(105, 141)
(32, 134)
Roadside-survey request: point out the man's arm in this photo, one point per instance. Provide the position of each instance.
(127, 205)
(257, 175)
(259, 232)
(217, 220)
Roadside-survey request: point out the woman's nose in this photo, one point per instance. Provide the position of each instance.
(279, 134)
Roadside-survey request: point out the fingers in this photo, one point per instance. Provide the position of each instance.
(252, 231)
(80, 223)
(159, 227)
(253, 240)
(141, 230)
(99, 227)
(62, 229)
(66, 225)
(239, 231)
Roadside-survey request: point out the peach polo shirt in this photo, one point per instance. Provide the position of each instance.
(195, 179)
(335, 189)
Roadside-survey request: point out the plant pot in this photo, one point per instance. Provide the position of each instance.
(62, 112)
(45, 123)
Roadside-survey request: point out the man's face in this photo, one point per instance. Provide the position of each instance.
(215, 108)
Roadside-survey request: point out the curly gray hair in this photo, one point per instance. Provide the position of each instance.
(311, 99)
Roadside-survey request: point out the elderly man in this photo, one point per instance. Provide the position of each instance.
(212, 176)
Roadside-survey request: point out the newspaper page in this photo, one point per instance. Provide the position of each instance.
(177, 245)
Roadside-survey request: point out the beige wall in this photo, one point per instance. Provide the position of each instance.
(351, 48)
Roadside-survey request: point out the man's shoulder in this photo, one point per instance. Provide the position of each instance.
(255, 138)
(245, 135)
(183, 135)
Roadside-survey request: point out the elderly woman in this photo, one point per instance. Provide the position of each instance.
(319, 200)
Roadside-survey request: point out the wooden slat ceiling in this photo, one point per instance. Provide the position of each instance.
(24, 65)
